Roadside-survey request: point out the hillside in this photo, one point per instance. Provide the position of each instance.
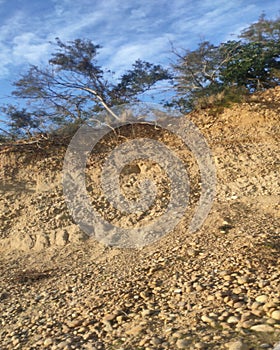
(217, 288)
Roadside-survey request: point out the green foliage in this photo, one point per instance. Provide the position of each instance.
(214, 74)
(20, 121)
(77, 56)
(4, 137)
(252, 66)
(66, 130)
(73, 87)
(139, 79)
(197, 74)
(263, 31)
(217, 102)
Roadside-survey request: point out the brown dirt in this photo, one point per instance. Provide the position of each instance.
(44, 251)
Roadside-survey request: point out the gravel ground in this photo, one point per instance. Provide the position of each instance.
(217, 288)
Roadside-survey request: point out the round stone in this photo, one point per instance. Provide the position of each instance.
(262, 299)
(276, 315)
(156, 341)
(262, 328)
(206, 319)
(183, 344)
(232, 319)
(237, 345)
(48, 342)
(146, 312)
(242, 280)
(200, 346)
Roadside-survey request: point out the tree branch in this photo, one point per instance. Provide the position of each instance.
(93, 92)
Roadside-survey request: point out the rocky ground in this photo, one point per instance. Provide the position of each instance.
(217, 288)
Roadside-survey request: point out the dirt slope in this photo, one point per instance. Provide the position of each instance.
(217, 288)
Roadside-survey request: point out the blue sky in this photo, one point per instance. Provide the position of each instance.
(126, 29)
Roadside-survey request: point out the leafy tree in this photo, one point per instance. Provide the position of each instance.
(6, 136)
(73, 86)
(139, 79)
(21, 122)
(235, 67)
(266, 34)
(197, 74)
(263, 31)
(252, 66)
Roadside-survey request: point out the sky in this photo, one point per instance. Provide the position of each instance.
(127, 30)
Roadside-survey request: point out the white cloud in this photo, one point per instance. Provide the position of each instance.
(4, 58)
(29, 47)
(127, 30)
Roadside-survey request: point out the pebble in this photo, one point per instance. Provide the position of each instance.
(177, 335)
(92, 347)
(247, 324)
(48, 342)
(146, 312)
(237, 290)
(232, 319)
(178, 291)
(206, 319)
(262, 328)
(200, 346)
(237, 345)
(227, 277)
(276, 315)
(74, 323)
(262, 299)
(271, 321)
(15, 341)
(109, 317)
(156, 341)
(255, 305)
(269, 305)
(134, 330)
(183, 344)
(242, 280)
(62, 345)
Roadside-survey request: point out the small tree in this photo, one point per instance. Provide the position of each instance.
(230, 69)
(252, 66)
(263, 31)
(197, 74)
(73, 86)
(20, 122)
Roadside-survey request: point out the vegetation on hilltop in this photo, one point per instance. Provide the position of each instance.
(72, 86)
(228, 71)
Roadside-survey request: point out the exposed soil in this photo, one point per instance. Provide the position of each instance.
(216, 288)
